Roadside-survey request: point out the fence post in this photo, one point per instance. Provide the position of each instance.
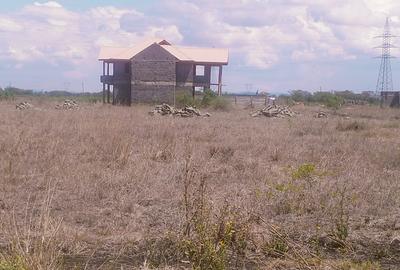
(251, 101)
(235, 100)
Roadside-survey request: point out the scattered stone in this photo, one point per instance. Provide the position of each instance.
(24, 106)
(187, 111)
(68, 105)
(395, 243)
(274, 111)
(397, 226)
(321, 115)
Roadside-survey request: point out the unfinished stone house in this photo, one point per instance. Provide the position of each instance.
(157, 71)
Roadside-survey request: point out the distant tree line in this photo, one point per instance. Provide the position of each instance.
(57, 93)
(331, 99)
(11, 92)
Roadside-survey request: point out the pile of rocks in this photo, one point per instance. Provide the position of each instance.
(68, 105)
(321, 115)
(274, 111)
(23, 106)
(187, 111)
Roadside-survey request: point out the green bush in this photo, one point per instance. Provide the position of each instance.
(304, 171)
(208, 97)
(332, 100)
(328, 99)
(210, 240)
(300, 96)
(221, 104)
(212, 243)
(6, 95)
(12, 264)
(185, 99)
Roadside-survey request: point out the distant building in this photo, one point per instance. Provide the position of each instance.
(390, 98)
(155, 71)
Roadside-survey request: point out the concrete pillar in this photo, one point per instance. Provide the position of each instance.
(220, 81)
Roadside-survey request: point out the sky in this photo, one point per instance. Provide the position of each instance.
(275, 45)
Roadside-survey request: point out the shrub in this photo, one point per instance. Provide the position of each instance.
(209, 241)
(12, 264)
(221, 104)
(185, 99)
(334, 102)
(211, 99)
(300, 96)
(328, 99)
(304, 171)
(331, 100)
(208, 97)
(340, 216)
(6, 95)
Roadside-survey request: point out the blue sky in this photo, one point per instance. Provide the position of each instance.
(77, 5)
(275, 45)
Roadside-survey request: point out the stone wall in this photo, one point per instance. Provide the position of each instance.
(153, 75)
(157, 93)
(122, 84)
(184, 73)
(153, 71)
(122, 92)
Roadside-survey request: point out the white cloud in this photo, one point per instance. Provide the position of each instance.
(9, 25)
(48, 32)
(262, 33)
(259, 33)
(49, 4)
(24, 54)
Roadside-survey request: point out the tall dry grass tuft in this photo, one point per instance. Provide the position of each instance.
(34, 239)
(211, 238)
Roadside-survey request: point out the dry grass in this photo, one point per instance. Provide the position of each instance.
(128, 189)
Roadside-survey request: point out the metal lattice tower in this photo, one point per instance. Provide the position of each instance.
(385, 82)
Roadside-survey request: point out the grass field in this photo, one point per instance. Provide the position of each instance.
(108, 187)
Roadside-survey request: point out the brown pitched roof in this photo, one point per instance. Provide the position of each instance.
(182, 53)
(126, 53)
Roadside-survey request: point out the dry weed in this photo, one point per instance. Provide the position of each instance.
(125, 179)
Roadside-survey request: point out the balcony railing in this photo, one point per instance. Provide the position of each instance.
(115, 79)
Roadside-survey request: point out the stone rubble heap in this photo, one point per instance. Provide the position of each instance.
(321, 115)
(187, 111)
(274, 111)
(24, 106)
(68, 104)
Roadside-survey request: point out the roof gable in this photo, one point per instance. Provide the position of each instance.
(181, 53)
(154, 52)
